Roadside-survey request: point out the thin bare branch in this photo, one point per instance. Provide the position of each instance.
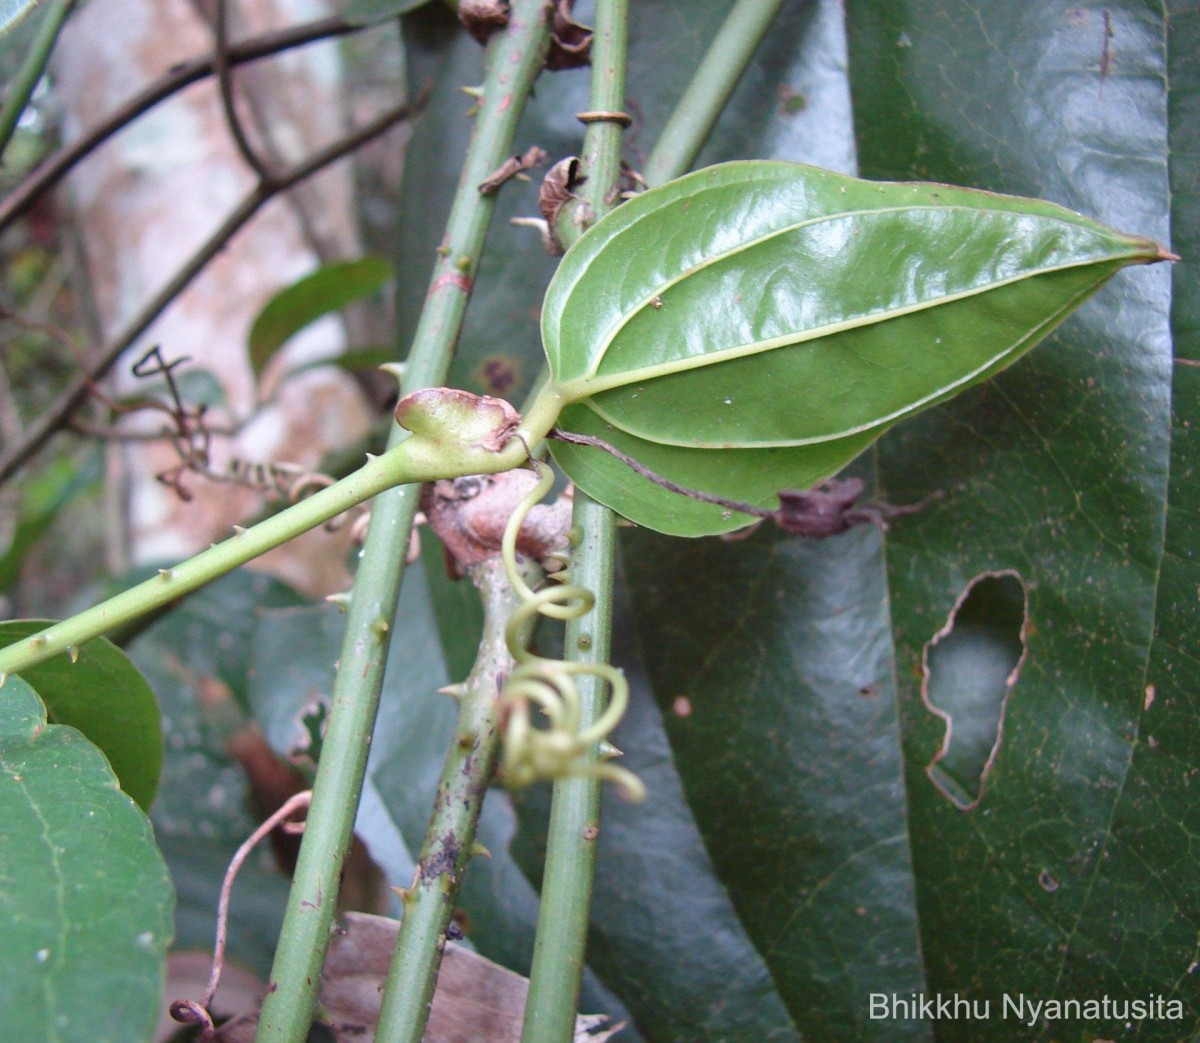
(221, 67)
(56, 414)
(52, 169)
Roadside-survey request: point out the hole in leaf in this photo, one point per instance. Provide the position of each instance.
(970, 668)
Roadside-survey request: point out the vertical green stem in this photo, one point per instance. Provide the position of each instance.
(705, 97)
(32, 69)
(514, 59)
(559, 949)
(450, 838)
(558, 956)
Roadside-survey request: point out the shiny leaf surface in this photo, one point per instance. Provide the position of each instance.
(86, 902)
(769, 306)
(1067, 879)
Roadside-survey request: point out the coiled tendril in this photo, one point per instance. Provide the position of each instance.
(562, 749)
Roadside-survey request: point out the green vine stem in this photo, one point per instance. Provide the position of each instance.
(514, 58)
(32, 69)
(556, 973)
(708, 92)
(414, 460)
(560, 945)
(450, 839)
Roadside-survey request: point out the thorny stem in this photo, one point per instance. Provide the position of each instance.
(571, 847)
(412, 460)
(58, 164)
(32, 69)
(514, 59)
(705, 97)
(57, 413)
(450, 839)
(558, 958)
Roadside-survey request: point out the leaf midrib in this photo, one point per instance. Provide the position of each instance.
(589, 384)
(583, 389)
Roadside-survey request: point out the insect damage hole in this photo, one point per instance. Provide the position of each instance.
(970, 669)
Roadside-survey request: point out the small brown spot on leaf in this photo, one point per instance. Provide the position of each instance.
(682, 706)
(498, 374)
(1148, 701)
(1047, 882)
(970, 668)
(791, 102)
(591, 832)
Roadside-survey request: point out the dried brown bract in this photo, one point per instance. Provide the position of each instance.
(570, 42)
(469, 515)
(533, 157)
(481, 18)
(833, 507)
(558, 188)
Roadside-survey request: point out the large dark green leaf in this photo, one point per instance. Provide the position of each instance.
(86, 901)
(1066, 879)
(106, 697)
(792, 314)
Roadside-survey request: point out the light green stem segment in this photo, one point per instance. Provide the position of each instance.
(514, 58)
(397, 465)
(706, 95)
(450, 839)
(559, 946)
(32, 69)
(413, 460)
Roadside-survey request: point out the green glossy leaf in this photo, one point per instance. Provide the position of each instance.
(691, 951)
(364, 12)
(86, 903)
(106, 697)
(769, 306)
(327, 290)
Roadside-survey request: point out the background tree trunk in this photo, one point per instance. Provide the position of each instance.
(145, 201)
